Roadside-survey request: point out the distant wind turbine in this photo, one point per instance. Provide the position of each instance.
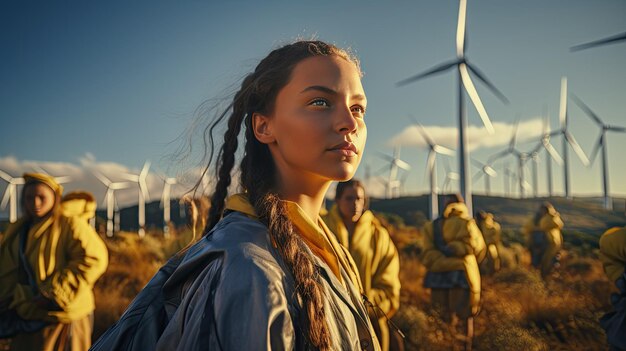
(10, 194)
(450, 177)
(464, 83)
(431, 167)
(395, 164)
(60, 179)
(544, 142)
(521, 158)
(109, 200)
(605, 41)
(165, 203)
(601, 143)
(485, 171)
(568, 138)
(140, 179)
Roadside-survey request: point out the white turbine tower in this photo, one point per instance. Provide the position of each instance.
(464, 83)
(10, 194)
(601, 143)
(140, 179)
(485, 170)
(544, 143)
(395, 164)
(521, 159)
(165, 203)
(568, 138)
(431, 167)
(109, 200)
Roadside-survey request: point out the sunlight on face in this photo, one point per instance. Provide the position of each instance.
(38, 200)
(317, 121)
(351, 204)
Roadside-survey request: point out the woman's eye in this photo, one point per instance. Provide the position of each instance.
(358, 109)
(320, 103)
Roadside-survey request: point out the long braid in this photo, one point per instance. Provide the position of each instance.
(258, 174)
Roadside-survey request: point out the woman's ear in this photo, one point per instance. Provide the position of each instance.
(262, 127)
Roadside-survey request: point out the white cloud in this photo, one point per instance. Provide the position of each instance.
(476, 135)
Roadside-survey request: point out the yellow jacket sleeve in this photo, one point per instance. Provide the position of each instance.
(87, 260)
(385, 288)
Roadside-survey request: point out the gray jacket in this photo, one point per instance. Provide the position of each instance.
(232, 291)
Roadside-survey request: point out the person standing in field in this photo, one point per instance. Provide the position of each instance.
(50, 260)
(544, 238)
(268, 273)
(452, 251)
(374, 253)
(492, 235)
(613, 257)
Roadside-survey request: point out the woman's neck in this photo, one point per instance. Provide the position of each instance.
(308, 196)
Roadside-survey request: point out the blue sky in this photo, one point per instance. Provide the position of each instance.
(121, 80)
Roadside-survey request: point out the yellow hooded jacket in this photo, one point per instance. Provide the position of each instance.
(66, 258)
(492, 234)
(464, 239)
(377, 260)
(613, 252)
(551, 224)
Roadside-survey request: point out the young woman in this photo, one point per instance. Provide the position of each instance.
(373, 252)
(49, 263)
(268, 274)
(544, 238)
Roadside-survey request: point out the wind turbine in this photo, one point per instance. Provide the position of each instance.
(109, 199)
(165, 203)
(521, 158)
(485, 171)
(395, 164)
(568, 138)
(431, 167)
(544, 142)
(60, 180)
(450, 176)
(601, 143)
(10, 194)
(464, 83)
(140, 179)
(609, 40)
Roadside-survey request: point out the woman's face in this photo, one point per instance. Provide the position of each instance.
(38, 200)
(316, 131)
(351, 204)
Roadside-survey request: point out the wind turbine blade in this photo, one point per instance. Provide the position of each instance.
(432, 71)
(6, 197)
(145, 169)
(444, 150)
(610, 40)
(460, 29)
(553, 153)
(476, 163)
(104, 180)
(403, 164)
(384, 156)
(563, 104)
(616, 129)
(579, 150)
(454, 176)
(477, 176)
(422, 131)
(5, 176)
(596, 147)
(481, 76)
(63, 179)
(514, 135)
(473, 94)
(587, 110)
(39, 169)
(490, 171)
(497, 156)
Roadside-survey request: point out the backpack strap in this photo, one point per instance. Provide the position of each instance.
(439, 241)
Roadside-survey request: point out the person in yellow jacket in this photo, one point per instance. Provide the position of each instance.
(491, 233)
(452, 250)
(544, 238)
(373, 251)
(613, 258)
(49, 263)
